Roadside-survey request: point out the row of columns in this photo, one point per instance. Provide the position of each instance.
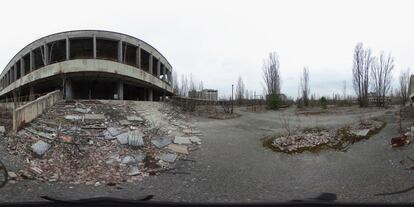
(11, 75)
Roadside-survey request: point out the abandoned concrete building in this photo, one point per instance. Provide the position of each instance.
(88, 64)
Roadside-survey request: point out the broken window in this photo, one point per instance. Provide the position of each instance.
(81, 48)
(129, 54)
(154, 66)
(145, 60)
(107, 49)
(37, 59)
(26, 63)
(17, 68)
(57, 51)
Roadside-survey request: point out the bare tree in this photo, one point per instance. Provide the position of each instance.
(201, 86)
(304, 86)
(183, 90)
(362, 64)
(344, 89)
(175, 85)
(404, 81)
(271, 74)
(239, 90)
(381, 76)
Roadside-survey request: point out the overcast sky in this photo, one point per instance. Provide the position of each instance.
(217, 41)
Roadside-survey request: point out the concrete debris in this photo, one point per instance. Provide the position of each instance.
(113, 131)
(89, 146)
(40, 147)
(135, 138)
(135, 118)
(12, 175)
(195, 139)
(128, 160)
(133, 171)
(161, 142)
(168, 157)
(124, 122)
(80, 110)
(94, 116)
(2, 130)
(182, 140)
(73, 117)
(361, 133)
(182, 149)
(123, 138)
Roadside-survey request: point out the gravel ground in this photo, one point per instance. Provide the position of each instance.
(232, 166)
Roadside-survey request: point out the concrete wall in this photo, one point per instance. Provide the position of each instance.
(10, 105)
(28, 112)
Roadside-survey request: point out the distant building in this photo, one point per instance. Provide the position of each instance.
(206, 94)
(372, 99)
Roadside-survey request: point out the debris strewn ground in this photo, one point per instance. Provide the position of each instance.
(312, 138)
(102, 142)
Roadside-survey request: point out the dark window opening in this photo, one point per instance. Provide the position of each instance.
(17, 68)
(129, 54)
(132, 92)
(154, 66)
(37, 57)
(145, 60)
(94, 89)
(162, 70)
(107, 49)
(57, 51)
(26, 63)
(81, 48)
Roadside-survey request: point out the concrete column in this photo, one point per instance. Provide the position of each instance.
(164, 73)
(67, 48)
(94, 46)
(150, 94)
(68, 89)
(150, 63)
(120, 51)
(15, 72)
(46, 54)
(31, 93)
(158, 68)
(121, 90)
(139, 56)
(31, 66)
(21, 67)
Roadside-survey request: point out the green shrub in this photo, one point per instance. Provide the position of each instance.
(324, 103)
(273, 101)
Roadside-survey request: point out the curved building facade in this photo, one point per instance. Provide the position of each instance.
(88, 64)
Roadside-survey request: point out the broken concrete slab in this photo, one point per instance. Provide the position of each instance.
(182, 149)
(135, 118)
(135, 138)
(81, 110)
(123, 138)
(124, 122)
(360, 133)
(195, 139)
(139, 157)
(73, 117)
(161, 142)
(128, 160)
(168, 157)
(182, 140)
(40, 147)
(133, 170)
(94, 116)
(113, 131)
(2, 130)
(40, 134)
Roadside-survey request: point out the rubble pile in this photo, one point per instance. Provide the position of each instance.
(303, 141)
(95, 143)
(312, 138)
